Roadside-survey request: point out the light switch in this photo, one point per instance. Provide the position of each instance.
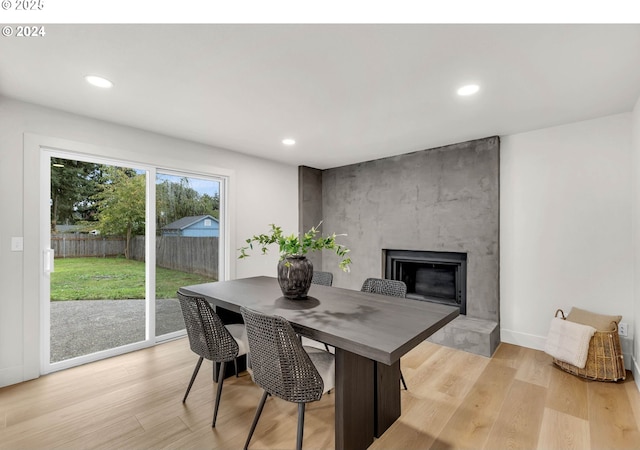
(16, 244)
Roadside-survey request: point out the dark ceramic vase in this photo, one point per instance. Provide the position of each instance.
(294, 276)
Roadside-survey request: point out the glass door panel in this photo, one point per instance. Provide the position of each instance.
(97, 289)
(187, 241)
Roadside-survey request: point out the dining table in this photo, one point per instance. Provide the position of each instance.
(370, 333)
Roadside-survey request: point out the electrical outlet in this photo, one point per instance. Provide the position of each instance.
(622, 329)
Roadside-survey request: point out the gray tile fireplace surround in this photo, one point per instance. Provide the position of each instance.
(444, 199)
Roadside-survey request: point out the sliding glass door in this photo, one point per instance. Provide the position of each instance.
(122, 238)
(97, 273)
(188, 234)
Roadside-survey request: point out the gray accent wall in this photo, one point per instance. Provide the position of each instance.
(310, 205)
(441, 199)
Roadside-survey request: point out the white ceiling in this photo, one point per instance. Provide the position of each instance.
(346, 93)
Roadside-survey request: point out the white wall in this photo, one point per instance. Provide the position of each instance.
(566, 220)
(566, 226)
(635, 118)
(261, 192)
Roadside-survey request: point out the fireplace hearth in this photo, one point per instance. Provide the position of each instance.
(439, 277)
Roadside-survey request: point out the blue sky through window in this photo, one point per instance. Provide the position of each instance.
(200, 185)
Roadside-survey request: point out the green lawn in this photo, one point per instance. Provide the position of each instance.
(113, 278)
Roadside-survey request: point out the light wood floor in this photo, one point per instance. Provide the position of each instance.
(517, 399)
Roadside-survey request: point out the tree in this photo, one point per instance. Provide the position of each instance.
(211, 205)
(178, 200)
(121, 204)
(73, 183)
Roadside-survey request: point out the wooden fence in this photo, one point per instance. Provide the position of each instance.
(187, 254)
(73, 246)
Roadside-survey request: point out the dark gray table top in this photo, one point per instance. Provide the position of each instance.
(375, 326)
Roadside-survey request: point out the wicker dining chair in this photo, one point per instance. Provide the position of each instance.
(323, 278)
(382, 286)
(393, 288)
(211, 339)
(283, 367)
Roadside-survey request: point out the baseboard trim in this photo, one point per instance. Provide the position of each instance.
(523, 339)
(11, 375)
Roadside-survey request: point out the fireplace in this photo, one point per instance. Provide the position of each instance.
(439, 277)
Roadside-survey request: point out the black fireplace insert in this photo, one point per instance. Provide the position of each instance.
(439, 277)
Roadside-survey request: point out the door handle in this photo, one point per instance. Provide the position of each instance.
(48, 260)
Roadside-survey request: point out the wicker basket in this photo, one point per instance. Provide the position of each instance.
(605, 361)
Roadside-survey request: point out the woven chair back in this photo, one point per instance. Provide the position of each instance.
(323, 278)
(280, 365)
(208, 337)
(393, 288)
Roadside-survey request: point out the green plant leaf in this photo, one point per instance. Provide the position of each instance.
(296, 244)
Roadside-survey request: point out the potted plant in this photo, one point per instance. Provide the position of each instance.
(295, 271)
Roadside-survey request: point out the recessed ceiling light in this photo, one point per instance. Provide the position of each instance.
(469, 89)
(289, 141)
(98, 81)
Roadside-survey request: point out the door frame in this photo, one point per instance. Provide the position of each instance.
(45, 240)
(33, 260)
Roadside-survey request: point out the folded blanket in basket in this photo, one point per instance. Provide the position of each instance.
(569, 341)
